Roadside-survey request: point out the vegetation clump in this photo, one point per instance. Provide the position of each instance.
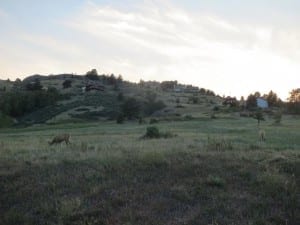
(16, 104)
(92, 75)
(131, 108)
(153, 132)
(67, 84)
(215, 181)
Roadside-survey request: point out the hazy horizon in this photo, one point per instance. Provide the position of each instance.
(231, 47)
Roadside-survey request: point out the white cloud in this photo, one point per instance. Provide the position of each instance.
(3, 14)
(167, 43)
(170, 43)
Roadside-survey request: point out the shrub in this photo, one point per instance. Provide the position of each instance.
(216, 108)
(67, 84)
(152, 132)
(151, 104)
(131, 108)
(92, 75)
(215, 181)
(34, 86)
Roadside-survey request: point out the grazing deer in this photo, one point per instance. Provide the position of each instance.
(262, 135)
(60, 138)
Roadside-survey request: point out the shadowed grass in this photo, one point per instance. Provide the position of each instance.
(108, 175)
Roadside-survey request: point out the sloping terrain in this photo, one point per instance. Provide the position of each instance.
(105, 104)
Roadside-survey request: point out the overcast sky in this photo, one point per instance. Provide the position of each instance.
(233, 47)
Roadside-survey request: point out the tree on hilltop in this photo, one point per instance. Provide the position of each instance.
(293, 105)
(272, 99)
(92, 75)
(34, 86)
(294, 95)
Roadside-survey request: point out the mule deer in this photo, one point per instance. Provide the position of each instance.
(60, 138)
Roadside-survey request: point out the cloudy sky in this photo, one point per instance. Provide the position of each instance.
(233, 47)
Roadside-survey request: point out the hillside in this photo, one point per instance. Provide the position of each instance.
(202, 162)
(102, 98)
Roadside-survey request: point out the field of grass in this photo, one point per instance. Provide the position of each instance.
(211, 172)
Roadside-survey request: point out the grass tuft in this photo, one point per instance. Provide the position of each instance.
(215, 181)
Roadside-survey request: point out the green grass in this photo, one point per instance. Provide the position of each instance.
(109, 175)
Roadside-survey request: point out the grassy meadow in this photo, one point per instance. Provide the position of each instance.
(211, 172)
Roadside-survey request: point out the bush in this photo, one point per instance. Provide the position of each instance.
(131, 108)
(34, 86)
(216, 108)
(152, 132)
(67, 84)
(92, 75)
(215, 181)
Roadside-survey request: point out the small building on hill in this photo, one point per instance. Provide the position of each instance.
(262, 103)
(93, 86)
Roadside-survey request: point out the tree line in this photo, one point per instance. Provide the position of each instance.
(26, 98)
